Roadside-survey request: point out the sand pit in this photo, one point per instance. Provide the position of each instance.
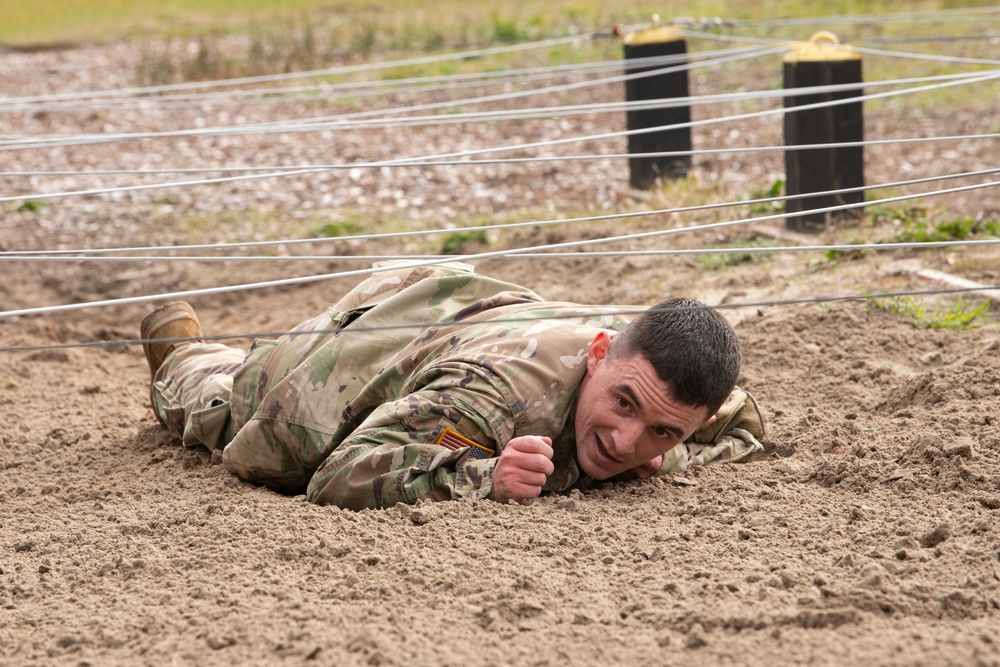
(867, 533)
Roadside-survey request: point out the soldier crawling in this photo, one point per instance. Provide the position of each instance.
(435, 382)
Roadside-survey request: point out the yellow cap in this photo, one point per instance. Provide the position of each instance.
(654, 35)
(819, 48)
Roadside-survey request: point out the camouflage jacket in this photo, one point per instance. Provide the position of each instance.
(408, 388)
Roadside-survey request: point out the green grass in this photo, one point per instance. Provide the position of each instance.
(31, 206)
(776, 189)
(462, 243)
(957, 229)
(718, 261)
(335, 228)
(395, 23)
(959, 314)
(917, 224)
(847, 255)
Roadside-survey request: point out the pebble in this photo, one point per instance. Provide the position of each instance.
(935, 537)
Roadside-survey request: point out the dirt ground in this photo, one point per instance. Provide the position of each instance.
(867, 533)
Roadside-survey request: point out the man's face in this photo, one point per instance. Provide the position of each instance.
(625, 416)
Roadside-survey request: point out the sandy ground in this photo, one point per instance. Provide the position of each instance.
(867, 533)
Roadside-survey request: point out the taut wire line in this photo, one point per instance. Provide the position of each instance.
(851, 47)
(68, 140)
(922, 16)
(509, 225)
(343, 69)
(473, 256)
(918, 56)
(933, 38)
(518, 254)
(517, 160)
(527, 113)
(625, 311)
(337, 122)
(537, 144)
(357, 87)
(514, 114)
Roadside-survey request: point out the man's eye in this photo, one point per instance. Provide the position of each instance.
(622, 403)
(661, 432)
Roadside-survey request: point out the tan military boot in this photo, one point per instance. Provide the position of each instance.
(171, 320)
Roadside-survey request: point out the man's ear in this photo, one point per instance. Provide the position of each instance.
(710, 420)
(598, 350)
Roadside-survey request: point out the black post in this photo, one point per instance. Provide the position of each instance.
(652, 43)
(817, 63)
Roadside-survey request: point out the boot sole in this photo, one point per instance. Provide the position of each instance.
(163, 315)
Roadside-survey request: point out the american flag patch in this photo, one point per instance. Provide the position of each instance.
(453, 441)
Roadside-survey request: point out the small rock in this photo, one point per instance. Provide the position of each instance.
(899, 473)
(218, 643)
(940, 533)
(961, 447)
(847, 560)
(696, 637)
(931, 358)
(424, 515)
(55, 356)
(990, 503)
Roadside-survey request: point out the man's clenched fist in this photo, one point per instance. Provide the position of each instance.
(524, 465)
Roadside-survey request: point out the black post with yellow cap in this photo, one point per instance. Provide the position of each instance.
(643, 49)
(819, 62)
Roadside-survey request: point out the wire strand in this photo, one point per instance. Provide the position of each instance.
(330, 71)
(337, 122)
(517, 160)
(523, 254)
(571, 110)
(355, 88)
(608, 311)
(538, 144)
(514, 225)
(467, 257)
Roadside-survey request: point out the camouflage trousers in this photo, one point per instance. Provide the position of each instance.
(190, 393)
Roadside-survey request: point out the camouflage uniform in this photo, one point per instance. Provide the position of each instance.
(361, 407)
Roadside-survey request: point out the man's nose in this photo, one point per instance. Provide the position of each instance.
(627, 438)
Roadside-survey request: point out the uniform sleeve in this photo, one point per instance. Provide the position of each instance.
(393, 456)
(733, 436)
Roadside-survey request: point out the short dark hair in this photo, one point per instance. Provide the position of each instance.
(693, 349)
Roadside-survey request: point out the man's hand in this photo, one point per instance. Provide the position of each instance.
(524, 465)
(644, 471)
